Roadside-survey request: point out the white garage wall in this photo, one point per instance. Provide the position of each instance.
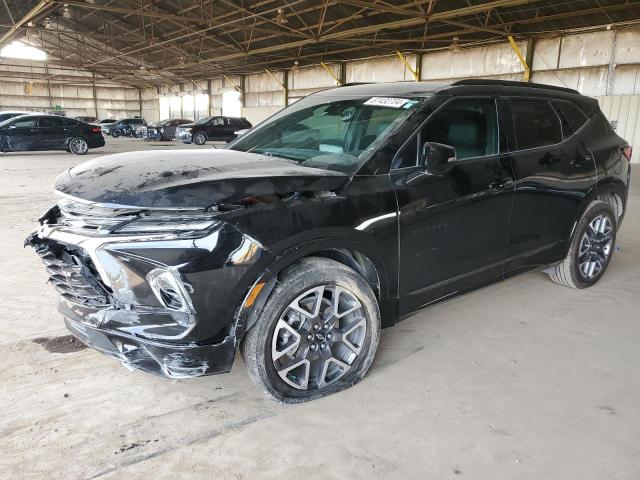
(23, 87)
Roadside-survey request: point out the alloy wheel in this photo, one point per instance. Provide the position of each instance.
(318, 337)
(78, 146)
(596, 246)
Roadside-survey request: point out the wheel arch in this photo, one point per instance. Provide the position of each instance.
(613, 191)
(349, 252)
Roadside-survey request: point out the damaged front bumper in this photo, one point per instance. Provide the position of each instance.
(169, 360)
(139, 299)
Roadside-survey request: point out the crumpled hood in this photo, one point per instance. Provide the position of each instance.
(189, 179)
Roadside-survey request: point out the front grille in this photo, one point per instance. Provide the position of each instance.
(71, 275)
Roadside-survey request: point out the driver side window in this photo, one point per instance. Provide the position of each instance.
(470, 125)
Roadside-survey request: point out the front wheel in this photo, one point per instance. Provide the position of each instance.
(115, 133)
(318, 332)
(78, 146)
(199, 139)
(590, 250)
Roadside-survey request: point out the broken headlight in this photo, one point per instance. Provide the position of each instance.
(166, 225)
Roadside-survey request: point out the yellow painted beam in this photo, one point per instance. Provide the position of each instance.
(527, 70)
(275, 78)
(415, 74)
(330, 72)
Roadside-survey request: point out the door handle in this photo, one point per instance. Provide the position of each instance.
(500, 184)
(580, 160)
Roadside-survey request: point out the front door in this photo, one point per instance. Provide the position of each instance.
(22, 134)
(454, 226)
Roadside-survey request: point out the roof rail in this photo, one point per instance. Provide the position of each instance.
(511, 83)
(351, 84)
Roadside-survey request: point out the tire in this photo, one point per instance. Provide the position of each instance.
(78, 146)
(590, 250)
(331, 352)
(199, 138)
(115, 133)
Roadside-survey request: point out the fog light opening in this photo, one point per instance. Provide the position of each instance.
(168, 288)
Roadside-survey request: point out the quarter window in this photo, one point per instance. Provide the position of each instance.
(571, 116)
(470, 125)
(535, 123)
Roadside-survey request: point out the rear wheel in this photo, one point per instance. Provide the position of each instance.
(318, 332)
(199, 138)
(115, 133)
(78, 145)
(590, 250)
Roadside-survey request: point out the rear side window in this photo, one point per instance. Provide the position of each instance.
(571, 116)
(51, 122)
(535, 123)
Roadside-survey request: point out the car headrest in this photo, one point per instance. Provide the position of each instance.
(464, 134)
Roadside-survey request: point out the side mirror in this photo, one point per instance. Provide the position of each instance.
(435, 157)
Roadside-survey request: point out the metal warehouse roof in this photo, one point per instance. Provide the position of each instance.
(173, 41)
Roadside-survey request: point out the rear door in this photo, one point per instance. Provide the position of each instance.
(454, 227)
(53, 131)
(216, 129)
(553, 172)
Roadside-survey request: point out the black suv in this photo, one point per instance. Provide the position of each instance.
(331, 219)
(211, 128)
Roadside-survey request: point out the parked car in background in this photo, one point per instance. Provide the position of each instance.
(86, 119)
(340, 214)
(165, 129)
(126, 127)
(211, 128)
(49, 132)
(105, 124)
(10, 114)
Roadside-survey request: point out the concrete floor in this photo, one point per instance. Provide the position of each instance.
(523, 379)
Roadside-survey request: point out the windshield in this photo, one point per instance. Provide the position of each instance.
(330, 132)
(9, 116)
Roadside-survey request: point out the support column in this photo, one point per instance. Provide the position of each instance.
(285, 86)
(343, 73)
(95, 97)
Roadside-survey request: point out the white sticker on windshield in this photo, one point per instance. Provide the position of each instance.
(387, 102)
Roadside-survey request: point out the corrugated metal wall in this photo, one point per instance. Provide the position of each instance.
(624, 113)
(29, 91)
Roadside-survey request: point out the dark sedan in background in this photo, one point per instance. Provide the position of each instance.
(48, 132)
(211, 128)
(165, 129)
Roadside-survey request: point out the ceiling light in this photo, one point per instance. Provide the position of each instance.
(66, 12)
(281, 18)
(455, 44)
(47, 23)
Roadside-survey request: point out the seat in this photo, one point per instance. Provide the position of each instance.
(464, 135)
